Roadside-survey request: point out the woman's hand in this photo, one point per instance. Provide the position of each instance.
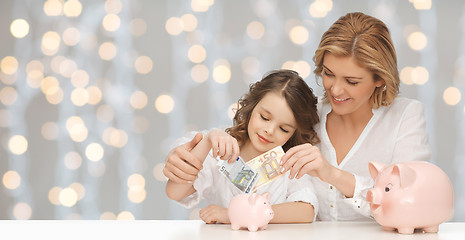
(214, 213)
(223, 145)
(181, 165)
(306, 159)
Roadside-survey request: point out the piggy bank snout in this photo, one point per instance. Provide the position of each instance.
(269, 213)
(373, 196)
(370, 195)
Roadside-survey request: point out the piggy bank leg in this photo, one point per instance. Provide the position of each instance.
(406, 230)
(252, 228)
(432, 229)
(235, 227)
(388, 228)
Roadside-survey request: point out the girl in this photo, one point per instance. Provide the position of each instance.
(362, 119)
(279, 110)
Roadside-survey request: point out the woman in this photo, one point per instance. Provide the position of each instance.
(361, 118)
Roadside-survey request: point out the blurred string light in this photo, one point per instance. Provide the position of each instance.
(422, 4)
(421, 39)
(302, 67)
(320, 8)
(414, 75)
(298, 35)
(255, 30)
(452, 96)
(19, 28)
(72, 84)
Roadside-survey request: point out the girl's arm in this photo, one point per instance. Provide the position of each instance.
(293, 212)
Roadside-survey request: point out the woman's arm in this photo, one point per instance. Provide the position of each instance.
(293, 212)
(307, 159)
(177, 167)
(222, 145)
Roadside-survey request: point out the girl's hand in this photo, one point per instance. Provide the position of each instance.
(181, 165)
(223, 145)
(306, 159)
(214, 213)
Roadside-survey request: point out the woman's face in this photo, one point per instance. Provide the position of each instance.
(271, 124)
(347, 85)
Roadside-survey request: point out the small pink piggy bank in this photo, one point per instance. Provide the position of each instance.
(410, 195)
(252, 211)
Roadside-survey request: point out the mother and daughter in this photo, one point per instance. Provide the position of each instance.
(328, 144)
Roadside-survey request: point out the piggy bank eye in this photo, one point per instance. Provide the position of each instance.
(264, 203)
(388, 188)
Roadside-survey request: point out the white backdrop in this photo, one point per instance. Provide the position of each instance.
(92, 93)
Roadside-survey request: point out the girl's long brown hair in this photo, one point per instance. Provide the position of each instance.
(299, 97)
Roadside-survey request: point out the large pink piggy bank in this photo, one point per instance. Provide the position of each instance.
(410, 195)
(252, 211)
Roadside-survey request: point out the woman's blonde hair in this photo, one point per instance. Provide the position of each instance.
(298, 95)
(368, 41)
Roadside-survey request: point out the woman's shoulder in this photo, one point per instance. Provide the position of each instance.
(404, 103)
(404, 106)
(322, 107)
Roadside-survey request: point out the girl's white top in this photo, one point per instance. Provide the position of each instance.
(214, 187)
(395, 133)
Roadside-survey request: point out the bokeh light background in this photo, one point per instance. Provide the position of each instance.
(93, 93)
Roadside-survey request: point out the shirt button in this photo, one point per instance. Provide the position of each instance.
(331, 205)
(330, 187)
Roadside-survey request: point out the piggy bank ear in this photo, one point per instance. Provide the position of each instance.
(253, 198)
(267, 196)
(375, 168)
(406, 175)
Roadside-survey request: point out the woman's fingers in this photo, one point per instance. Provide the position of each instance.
(181, 166)
(298, 163)
(174, 178)
(186, 161)
(291, 157)
(186, 176)
(304, 165)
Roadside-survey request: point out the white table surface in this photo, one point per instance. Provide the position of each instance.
(196, 229)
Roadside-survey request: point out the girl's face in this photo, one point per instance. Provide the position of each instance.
(347, 85)
(271, 124)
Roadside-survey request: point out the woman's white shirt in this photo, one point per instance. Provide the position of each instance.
(395, 133)
(214, 187)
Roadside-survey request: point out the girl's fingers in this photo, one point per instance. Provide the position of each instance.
(235, 153)
(221, 149)
(228, 151)
(205, 215)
